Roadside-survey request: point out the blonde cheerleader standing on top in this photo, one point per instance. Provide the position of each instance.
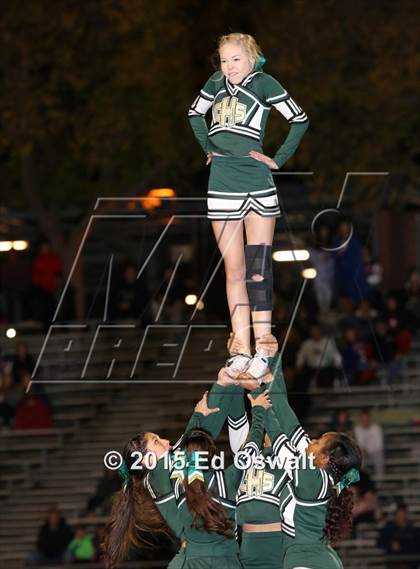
(241, 191)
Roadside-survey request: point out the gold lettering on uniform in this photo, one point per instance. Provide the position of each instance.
(230, 111)
(257, 482)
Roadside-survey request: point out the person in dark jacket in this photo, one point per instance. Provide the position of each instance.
(107, 485)
(400, 537)
(53, 538)
(130, 297)
(22, 362)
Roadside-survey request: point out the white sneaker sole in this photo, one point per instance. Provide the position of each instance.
(236, 364)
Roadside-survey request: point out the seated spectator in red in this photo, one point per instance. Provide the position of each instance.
(81, 546)
(53, 538)
(32, 412)
(400, 536)
(46, 266)
(365, 508)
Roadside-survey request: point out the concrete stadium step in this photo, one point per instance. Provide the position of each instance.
(40, 496)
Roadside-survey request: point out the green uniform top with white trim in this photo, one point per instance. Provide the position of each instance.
(229, 400)
(303, 507)
(288, 422)
(224, 486)
(240, 113)
(304, 499)
(258, 498)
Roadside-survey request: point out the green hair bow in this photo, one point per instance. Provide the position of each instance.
(125, 475)
(260, 62)
(351, 477)
(186, 467)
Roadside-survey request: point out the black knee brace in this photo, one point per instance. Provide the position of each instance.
(258, 264)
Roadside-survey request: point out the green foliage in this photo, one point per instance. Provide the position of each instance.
(354, 68)
(97, 92)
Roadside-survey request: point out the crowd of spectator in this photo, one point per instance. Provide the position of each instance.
(368, 434)
(31, 289)
(348, 283)
(23, 404)
(348, 330)
(30, 284)
(59, 543)
(400, 537)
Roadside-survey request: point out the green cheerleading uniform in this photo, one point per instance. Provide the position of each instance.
(262, 550)
(258, 501)
(238, 183)
(202, 549)
(157, 482)
(304, 499)
(258, 498)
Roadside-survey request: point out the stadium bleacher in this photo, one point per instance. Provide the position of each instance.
(61, 466)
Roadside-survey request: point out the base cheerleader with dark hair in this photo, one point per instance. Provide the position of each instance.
(315, 503)
(206, 499)
(147, 506)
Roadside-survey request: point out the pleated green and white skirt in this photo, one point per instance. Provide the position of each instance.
(238, 185)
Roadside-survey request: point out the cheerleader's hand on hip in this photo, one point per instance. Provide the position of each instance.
(209, 158)
(203, 408)
(263, 158)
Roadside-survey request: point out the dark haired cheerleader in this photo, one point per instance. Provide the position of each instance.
(135, 516)
(146, 504)
(315, 504)
(206, 498)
